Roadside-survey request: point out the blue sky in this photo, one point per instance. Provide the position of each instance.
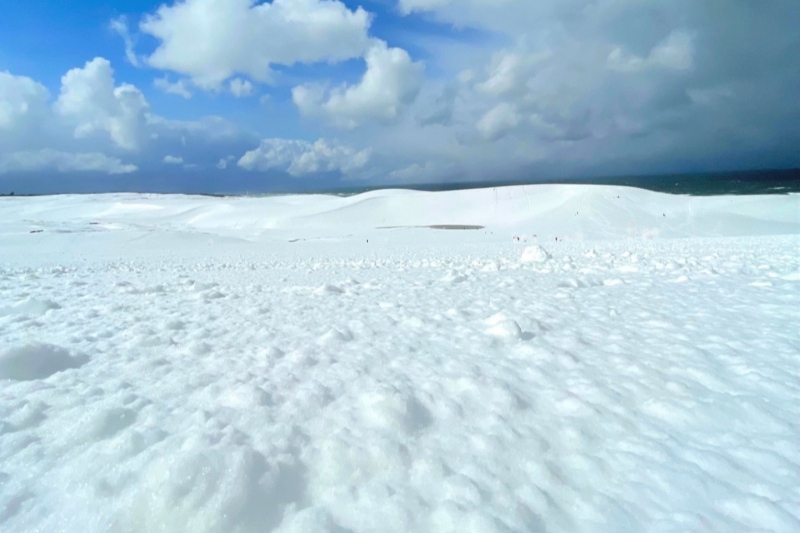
(235, 95)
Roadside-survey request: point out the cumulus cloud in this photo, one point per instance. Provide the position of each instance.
(95, 124)
(498, 120)
(223, 163)
(178, 88)
(441, 111)
(173, 160)
(391, 82)
(300, 158)
(212, 128)
(508, 71)
(594, 82)
(91, 101)
(417, 173)
(515, 17)
(49, 159)
(578, 92)
(675, 53)
(550, 84)
(241, 88)
(213, 40)
(20, 99)
(36, 135)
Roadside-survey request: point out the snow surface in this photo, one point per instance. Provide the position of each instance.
(594, 359)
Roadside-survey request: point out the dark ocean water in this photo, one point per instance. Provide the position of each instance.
(710, 184)
(736, 183)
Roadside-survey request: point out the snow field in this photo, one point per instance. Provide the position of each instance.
(185, 380)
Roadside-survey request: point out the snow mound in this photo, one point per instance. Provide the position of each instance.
(336, 335)
(506, 328)
(535, 254)
(311, 520)
(204, 491)
(500, 325)
(328, 289)
(454, 277)
(393, 410)
(36, 361)
(30, 306)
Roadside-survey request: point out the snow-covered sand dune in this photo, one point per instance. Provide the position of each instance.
(566, 211)
(201, 364)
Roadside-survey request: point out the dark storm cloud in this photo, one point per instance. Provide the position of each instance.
(601, 82)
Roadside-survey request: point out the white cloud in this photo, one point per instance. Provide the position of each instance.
(241, 88)
(93, 120)
(300, 158)
(498, 121)
(548, 82)
(178, 88)
(91, 101)
(674, 53)
(173, 160)
(20, 98)
(44, 159)
(711, 95)
(119, 26)
(557, 87)
(509, 70)
(410, 6)
(212, 40)
(391, 82)
(533, 20)
(441, 110)
(416, 173)
(504, 74)
(222, 164)
(209, 129)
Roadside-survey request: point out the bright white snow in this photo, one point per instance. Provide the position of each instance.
(594, 359)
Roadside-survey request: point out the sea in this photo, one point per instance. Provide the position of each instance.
(697, 184)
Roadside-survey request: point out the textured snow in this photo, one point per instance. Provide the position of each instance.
(281, 364)
(535, 254)
(35, 361)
